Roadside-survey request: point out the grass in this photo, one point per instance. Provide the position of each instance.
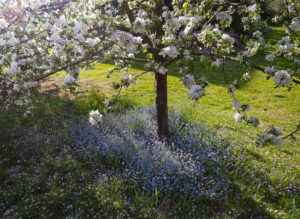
(41, 176)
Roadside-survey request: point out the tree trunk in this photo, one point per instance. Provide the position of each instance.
(162, 125)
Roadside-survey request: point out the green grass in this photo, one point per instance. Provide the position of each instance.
(40, 176)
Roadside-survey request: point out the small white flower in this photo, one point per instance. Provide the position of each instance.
(238, 117)
(216, 63)
(276, 18)
(181, 70)
(246, 76)
(69, 80)
(106, 102)
(269, 70)
(170, 51)
(282, 78)
(257, 34)
(29, 84)
(224, 17)
(92, 42)
(55, 37)
(196, 91)
(131, 56)
(129, 78)
(3, 23)
(295, 25)
(95, 117)
(162, 70)
(226, 37)
(16, 87)
(270, 57)
(188, 81)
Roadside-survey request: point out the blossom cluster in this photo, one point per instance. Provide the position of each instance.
(190, 164)
(196, 91)
(241, 108)
(282, 78)
(95, 117)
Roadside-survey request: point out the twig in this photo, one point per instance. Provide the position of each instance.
(213, 16)
(92, 56)
(136, 77)
(118, 93)
(291, 134)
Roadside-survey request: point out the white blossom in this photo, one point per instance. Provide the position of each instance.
(29, 84)
(196, 92)
(226, 37)
(129, 78)
(3, 23)
(257, 34)
(170, 51)
(246, 76)
(188, 81)
(295, 25)
(69, 80)
(182, 70)
(160, 69)
(238, 117)
(269, 70)
(276, 18)
(55, 38)
(92, 42)
(224, 17)
(270, 57)
(282, 78)
(216, 63)
(95, 117)
(106, 102)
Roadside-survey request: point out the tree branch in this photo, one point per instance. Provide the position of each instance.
(132, 59)
(91, 56)
(128, 11)
(291, 134)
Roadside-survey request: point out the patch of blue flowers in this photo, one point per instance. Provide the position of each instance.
(190, 164)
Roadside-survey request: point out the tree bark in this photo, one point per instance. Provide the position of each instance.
(162, 125)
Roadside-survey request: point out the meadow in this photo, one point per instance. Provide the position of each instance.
(53, 164)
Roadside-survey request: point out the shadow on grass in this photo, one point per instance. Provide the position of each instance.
(233, 70)
(52, 111)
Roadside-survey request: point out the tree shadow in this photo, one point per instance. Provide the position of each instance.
(232, 70)
(216, 76)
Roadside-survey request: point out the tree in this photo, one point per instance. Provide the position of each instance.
(38, 40)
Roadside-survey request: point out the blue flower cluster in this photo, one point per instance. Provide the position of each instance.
(189, 164)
